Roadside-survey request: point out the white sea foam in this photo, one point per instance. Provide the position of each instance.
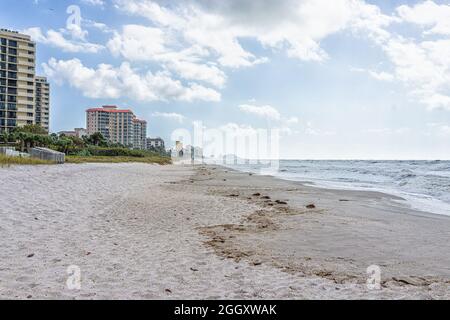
(425, 185)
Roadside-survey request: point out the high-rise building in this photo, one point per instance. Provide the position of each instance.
(17, 82)
(42, 112)
(140, 134)
(117, 126)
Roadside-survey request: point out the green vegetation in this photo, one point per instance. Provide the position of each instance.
(94, 148)
(7, 161)
(119, 159)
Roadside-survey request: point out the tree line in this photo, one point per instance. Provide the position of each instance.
(31, 136)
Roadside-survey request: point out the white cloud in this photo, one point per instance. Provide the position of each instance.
(57, 39)
(140, 43)
(296, 26)
(108, 82)
(378, 75)
(423, 67)
(428, 14)
(173, 116)
(94, 2)
(382, 76)
(98, 26)
(266, 111)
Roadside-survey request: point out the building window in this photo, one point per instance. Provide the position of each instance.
(3, 42)
(12, 51)
(13, 43)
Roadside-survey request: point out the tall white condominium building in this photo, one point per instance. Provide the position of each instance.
(17, 80)
(42, 112)
(117, 126)
(140, 134)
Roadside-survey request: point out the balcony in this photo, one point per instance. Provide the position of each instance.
(25, 94)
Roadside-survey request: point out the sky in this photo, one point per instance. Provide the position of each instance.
(348, 79)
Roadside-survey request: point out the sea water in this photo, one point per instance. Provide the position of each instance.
(425, 185)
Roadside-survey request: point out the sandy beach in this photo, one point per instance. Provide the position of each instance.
(139, 231)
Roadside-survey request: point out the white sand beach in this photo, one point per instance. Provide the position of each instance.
(139, 231)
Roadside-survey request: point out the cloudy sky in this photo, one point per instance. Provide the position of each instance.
(339, 79)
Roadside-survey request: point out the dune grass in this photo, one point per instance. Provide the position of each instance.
(104, 159)
(7, 161)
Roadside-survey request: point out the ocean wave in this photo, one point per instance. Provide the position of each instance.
(428, 180)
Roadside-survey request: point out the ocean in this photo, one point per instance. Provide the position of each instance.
(425, 185)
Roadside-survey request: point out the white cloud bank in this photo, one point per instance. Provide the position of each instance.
(57, 39)
(266, 111)
(105, 81)
(295, 26)
(197, 41)
(171, 116)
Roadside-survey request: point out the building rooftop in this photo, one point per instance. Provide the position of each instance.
(109, 109)
(15, 34)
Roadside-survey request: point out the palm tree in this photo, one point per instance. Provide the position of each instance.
(97, 139)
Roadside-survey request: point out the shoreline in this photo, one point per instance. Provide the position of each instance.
(416, 202)
(140, 231)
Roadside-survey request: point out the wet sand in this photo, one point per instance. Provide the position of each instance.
(139, 231)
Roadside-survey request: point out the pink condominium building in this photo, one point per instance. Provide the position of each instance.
(117, 126)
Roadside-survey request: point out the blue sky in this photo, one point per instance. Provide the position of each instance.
(356, 79)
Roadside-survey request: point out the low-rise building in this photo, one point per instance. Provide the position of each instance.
(77, 132)
(156, 143)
